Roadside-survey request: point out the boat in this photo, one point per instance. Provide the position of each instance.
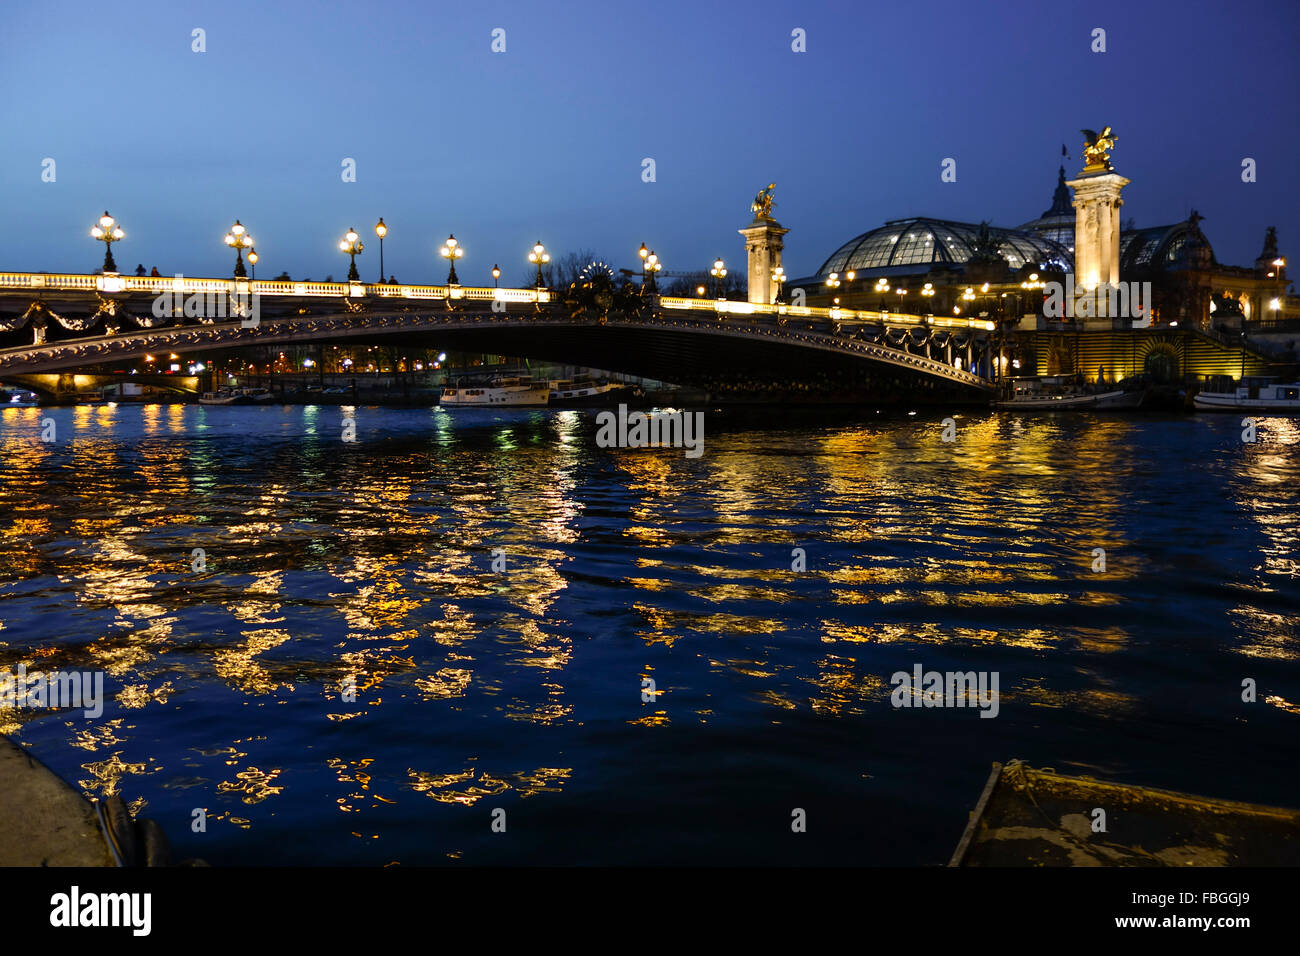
(582, 390)
(498, 392)
(1060, 393)
(1030, 817)
(258, 395)
(224, 396)
(18, 399)
(1250, 395)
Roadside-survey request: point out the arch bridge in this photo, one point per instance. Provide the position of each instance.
(77, 321)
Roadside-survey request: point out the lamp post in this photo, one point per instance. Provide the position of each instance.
(779, 277)
(350, 245)
(644, 253)
(833, 281)
(496, 275)
(239, 240)
(652, 266)
(451, 251)
(252, 261)
(719, 272)
(882, 286)
(927, 290)
(381, 230)
(539, 257)
(108, 232)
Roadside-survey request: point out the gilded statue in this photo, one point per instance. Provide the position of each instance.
(762, 205)
(1096, 148)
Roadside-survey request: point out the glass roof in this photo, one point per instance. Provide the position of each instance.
(1160, 247)
(926, 242)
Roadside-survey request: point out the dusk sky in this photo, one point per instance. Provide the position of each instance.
(546, 140)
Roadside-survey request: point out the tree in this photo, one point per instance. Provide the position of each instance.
(735, 285)
(562, 271)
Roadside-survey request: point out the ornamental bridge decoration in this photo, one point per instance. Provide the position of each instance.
(73, 321)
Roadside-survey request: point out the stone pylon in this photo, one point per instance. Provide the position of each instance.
(1096, 227)
(763, 245)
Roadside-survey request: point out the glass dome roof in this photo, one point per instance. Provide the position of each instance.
(915, 244)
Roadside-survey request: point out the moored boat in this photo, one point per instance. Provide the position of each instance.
(1251, 395)
(499, 392)
(224, 396)
(1057, 393)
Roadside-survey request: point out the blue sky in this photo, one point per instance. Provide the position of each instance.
(546, 140)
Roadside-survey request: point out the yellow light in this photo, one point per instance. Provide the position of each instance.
(1275, 304)
(96, 232)
(351, 236)
(643, 251)
(380, 229)
(984, 287)
(237, 229)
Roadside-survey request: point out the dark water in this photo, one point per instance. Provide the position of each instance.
(523, 690)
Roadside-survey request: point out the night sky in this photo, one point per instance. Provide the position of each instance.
(547, 139)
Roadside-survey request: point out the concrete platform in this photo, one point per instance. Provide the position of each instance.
(44, 821)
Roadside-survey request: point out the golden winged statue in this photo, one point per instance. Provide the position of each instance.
(1096, 147)
(762, 205)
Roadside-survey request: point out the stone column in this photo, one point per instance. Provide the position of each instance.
(1096, 228)
(763, 245)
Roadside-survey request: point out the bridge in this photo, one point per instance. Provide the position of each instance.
(73, 321)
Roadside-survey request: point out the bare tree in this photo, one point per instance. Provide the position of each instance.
(562, 271)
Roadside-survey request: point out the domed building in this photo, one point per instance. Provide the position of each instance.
(939, 266)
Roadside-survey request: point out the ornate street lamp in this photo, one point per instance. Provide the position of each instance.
(239, 240)
(451, 251)
(539, 257)
(652, 266)
(644, 253)
(496, 274)
(381, 230)
(350, 245)
(779, 277)
(108, 232)
(252, 261)
(719, 272)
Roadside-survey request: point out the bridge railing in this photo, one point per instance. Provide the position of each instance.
(836, 314)
(186, 285)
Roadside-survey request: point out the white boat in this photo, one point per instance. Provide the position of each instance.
(258, 394)
(224, 396)
(1058, 393)
(514, 392)
(575, 391)
(1254, 395)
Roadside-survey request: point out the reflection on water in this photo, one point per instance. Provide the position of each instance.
(385, 641)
